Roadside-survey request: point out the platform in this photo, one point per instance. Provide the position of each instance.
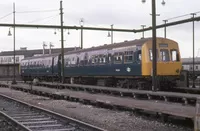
(124, 92)
(173, 109)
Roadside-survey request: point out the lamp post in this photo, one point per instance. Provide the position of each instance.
(143, 30)
(9, 34)
(154, 63)
(50, 45)
(111, 35)
(193, 80)
(44, 45)
(165, 30)
(81, 22)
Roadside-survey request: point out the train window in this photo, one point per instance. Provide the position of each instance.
(93, 59)
(174, 55)
(104, 59)
(139, 56)
(118, 58)
(96, 60)
(164, 55)
(17, 59)
(109, 58)
(197, 67)
(128, 57)
(151, 54)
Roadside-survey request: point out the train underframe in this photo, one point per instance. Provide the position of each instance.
(142, 83)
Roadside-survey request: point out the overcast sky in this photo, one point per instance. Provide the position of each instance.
(129, 14)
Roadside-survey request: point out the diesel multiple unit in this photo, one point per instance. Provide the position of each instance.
(127, 64)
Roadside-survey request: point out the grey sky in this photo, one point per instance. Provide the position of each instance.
(123, 14)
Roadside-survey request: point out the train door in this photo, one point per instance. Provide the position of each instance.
(138, 56)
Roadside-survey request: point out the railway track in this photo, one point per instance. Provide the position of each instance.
(175, 97)
(31, 118)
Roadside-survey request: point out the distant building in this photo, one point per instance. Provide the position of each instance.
(7, 57)
(187, 64)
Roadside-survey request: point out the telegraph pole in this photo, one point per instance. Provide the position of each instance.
(112, 34)
(165, 30)
(154, 61)
(193, 83)
(143, 31)
(14, 80)
(81, 24)
(81, 38)
(62, 44)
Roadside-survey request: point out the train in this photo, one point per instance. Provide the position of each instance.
(187, 64)
(125, 64)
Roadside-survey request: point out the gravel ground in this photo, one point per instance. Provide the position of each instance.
(7, 126)
(107, 119)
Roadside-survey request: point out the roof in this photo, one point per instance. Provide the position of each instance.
(190, 60)
(137, 42)
(30, 53)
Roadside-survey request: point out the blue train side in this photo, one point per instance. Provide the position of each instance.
(124, 64)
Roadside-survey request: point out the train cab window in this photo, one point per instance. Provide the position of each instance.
(164, 55)
(174, 55)
(151, 54)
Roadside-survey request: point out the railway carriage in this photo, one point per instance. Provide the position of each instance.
(127, 64)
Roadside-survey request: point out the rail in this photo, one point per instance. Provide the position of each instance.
(31, 117)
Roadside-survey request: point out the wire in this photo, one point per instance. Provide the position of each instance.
(177, 17)
(50, 19)
(43, 18)
(5, 16)
(182, 16)
(36, 11)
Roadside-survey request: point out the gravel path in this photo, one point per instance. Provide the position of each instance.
(107, 119)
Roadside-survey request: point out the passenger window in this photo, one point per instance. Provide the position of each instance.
(128, 57)
(118, 58)
(164, 55)
(93, 59)
(174, 55)
(109, 58)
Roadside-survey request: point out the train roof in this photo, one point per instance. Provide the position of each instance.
(137, 42)
(31, 53)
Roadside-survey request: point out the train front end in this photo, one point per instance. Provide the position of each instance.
(168, 61)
